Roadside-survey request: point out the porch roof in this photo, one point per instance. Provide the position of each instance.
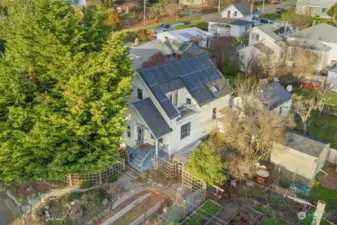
(152, 117)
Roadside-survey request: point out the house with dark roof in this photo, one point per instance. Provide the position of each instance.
(301, 155)
(173, 105)
(235, 20)
(315, 8)
(276, 98)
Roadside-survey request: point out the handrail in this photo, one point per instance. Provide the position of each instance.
(147, 154)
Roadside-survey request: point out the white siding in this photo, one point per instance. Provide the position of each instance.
(332, 53)
(232, 10)
(284, 108)
(294, 161)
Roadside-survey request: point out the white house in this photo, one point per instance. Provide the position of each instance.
(321, 38)
(317, 8)
(236, 20)
(301, 155)
(173, 105)
(193, 34)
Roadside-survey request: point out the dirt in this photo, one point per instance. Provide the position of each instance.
(140, 209)
(330, 180)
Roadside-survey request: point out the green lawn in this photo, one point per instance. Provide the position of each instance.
(291, 16)
(308, 93)
(206, 212)
(329, 134)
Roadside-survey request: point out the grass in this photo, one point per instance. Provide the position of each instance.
(206, 212)
(308, 93)
(291, 16)
(328, 134)
(329, 196)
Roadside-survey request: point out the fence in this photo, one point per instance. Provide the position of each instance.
(332, 158)
(287, 177)
(99, 177)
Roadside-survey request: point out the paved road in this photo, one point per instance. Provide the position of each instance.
(272, 8)
(6, 215)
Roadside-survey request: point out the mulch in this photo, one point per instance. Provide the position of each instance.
(330, 180)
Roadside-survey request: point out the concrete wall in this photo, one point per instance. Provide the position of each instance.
(294, 161)
(332, 57)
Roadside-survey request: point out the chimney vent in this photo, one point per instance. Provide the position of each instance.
(252, 7)
(228, 15)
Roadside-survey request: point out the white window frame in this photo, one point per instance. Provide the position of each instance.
(185, 130)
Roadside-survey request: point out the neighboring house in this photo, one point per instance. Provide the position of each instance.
(142, 52)
(332, 79)
(193, 34)
(172, 106)
(192, 2)
(321, 38)
(276, 98)
(264, 44)
(318, 8)
(301, 155)
(236, 20)
(78, 2)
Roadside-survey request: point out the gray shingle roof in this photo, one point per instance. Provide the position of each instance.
(239, 22)
(274, 95)
(309, 44)
(243, 7)
(218, 19)
(152, 117)
(270, 31)
(304, 143)
(321, 32)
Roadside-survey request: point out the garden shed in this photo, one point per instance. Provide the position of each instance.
(301, 155)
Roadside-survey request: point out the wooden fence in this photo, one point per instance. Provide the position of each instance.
(100, 177)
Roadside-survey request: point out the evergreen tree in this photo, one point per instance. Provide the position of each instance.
(333, 11)
(64, 82)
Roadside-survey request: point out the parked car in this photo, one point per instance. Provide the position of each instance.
(274, 2)
(266, 21)
(281, 10)
(162, 28)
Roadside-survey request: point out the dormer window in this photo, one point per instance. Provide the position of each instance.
(214, 89)
(235, 13)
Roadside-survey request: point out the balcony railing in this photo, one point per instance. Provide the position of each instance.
(187, 110)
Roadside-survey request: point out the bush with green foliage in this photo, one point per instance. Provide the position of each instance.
(199, 24)
(333, 11)
(86, 184)
(144, 175)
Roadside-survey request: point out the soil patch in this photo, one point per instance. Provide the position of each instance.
(329, 180)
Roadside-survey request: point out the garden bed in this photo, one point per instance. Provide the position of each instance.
(205, 213)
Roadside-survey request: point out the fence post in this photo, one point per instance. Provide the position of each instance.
(100, 177)
(184, 209)
(205, 191)
(70, 181)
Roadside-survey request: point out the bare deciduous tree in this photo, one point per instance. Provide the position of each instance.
(224, 50)
(323, 97)
(303, 108)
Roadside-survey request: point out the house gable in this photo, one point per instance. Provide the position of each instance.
(230, 10)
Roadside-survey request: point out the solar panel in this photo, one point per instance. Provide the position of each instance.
(169, 108)
(147, 76)
(165, 74)
(188, 82)
(156, 73)
(171, 70)
(184, 67)
(158, 93)
(202, 94)
(179, 69)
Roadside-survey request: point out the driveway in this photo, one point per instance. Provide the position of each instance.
(269, 9)
(6, 214)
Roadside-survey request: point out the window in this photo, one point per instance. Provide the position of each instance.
(161, 140)
(129, 132)
(214, 114)
(140, 134)
(139, 93)
(246, 28)
(188, 101)
(324, 10)
(185, 130)
(280, 112)
(257, 37)
(235, 13)
(214, 89)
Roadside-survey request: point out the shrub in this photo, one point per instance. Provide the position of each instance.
(113, 179)
(199, 24)
(144, 175)
(86, 184)
(74, 196)
(100, 196)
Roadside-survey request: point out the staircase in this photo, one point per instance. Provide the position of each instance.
(141, 160)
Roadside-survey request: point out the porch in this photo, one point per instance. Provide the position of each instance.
(141, 158)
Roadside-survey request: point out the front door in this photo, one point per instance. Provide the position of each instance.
(140, 134)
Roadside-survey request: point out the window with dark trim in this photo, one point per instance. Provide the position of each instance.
(185, 130)
(129, 132)
(139, 93)
(188, 101)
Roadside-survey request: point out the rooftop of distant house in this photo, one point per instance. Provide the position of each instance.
(321, 32)
(316, 3)
(244, 8)
(187, 34)
(275, 95)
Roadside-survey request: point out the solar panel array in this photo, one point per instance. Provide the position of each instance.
(195, 72)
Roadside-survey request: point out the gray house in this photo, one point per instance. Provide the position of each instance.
(317, 8)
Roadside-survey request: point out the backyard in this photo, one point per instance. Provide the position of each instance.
(205, 213)
(322, 127)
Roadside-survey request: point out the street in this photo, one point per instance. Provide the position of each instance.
(6, 215)
(269, 9)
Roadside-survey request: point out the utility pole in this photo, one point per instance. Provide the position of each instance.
(219, 6)
(144, 12)
(263, 6)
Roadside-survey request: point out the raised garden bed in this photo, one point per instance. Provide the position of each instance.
(205, 213)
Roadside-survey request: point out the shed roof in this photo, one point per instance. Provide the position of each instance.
(152, 117)
(305, 144)
(270, 31)
(187, 34)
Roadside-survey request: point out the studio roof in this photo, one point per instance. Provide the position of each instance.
(321, 32)
(274, 95)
